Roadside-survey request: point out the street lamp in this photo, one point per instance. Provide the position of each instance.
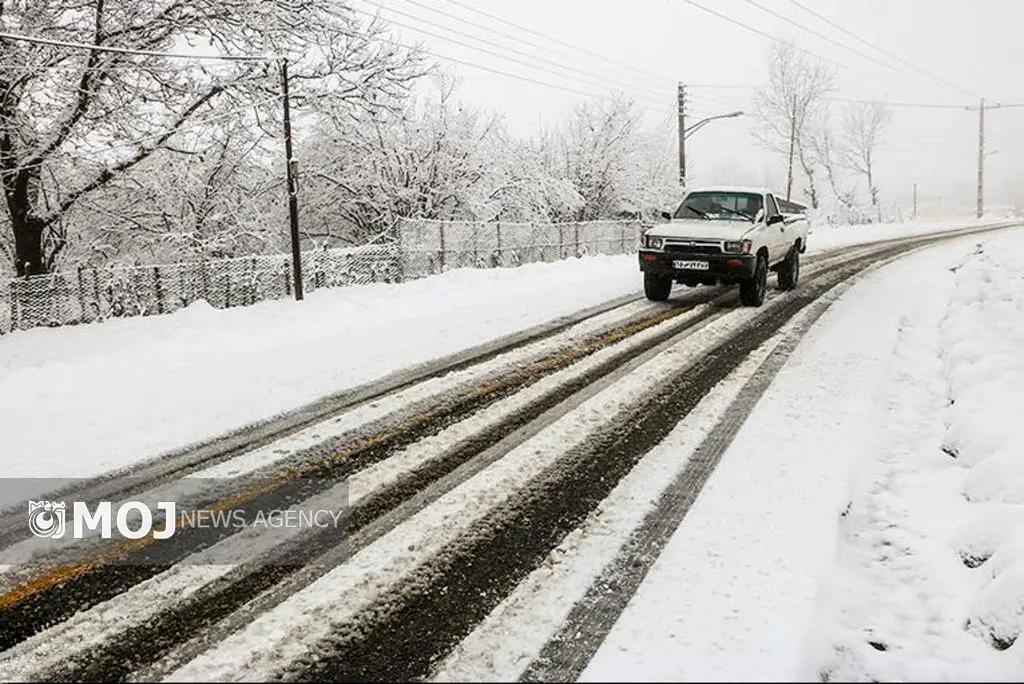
(690, 130)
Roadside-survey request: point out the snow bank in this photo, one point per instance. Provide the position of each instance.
(983, 340)
(929, 579)
(80, 400)
(824, 237)
(737, 592)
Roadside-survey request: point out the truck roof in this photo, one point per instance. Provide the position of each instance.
(752, 189)
(730, 188)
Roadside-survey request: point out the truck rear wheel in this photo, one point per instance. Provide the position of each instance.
(752, 291)
(657, 287)
(789, 271)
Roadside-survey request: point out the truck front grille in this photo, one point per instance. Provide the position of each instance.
(694, 247)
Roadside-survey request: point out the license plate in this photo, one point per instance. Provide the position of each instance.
(690, 265)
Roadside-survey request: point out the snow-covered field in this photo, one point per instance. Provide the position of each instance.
(867, 523)
(81, 400)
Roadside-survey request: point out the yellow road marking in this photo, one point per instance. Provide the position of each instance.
(63, 573)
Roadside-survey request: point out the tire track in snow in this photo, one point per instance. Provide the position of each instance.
(805, 273)
(249, 437)
(415, 623)
(207, 607)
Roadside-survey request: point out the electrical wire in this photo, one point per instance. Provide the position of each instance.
(800, 26)
(759, 32)
(553, 40)
(509, 35)
(129, 51)
(853, 35)
(501, 56)
(495, 44)
(132, 144)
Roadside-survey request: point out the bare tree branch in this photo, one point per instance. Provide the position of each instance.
(862, 131)
(790, 104)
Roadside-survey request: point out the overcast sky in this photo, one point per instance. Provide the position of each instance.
(645, 47)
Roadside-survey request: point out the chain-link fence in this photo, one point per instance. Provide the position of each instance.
(427, 247)
(90, 294)
(421, 248)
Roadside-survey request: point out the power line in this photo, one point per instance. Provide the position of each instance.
(130, 51)
(853, 35)
(90, 155)
(997, 105)
(498, 32)
(495, 44)
(200, 123)
(759, 32)
(499, 72)
(492, 70)
(492, 53)
(77, 69)
(911, 105)
(800, 26)
(720, 86)
(554, 40)
(716, 99)
(723, 97)
(917, 105)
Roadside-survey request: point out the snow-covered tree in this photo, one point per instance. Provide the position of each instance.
(616, 168)
(863, 127)
(791, 108)
(73, 121)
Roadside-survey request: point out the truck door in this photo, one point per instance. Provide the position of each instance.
(775, 233)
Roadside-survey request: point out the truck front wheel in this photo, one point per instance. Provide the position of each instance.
(789, 271)
(752, 291)
(657, 287)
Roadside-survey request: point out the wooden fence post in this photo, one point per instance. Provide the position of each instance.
(442, 254)
(81, 295)
(158, 289)
(497, 228)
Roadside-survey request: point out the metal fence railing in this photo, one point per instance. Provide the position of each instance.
(428, 247)
(416, 249)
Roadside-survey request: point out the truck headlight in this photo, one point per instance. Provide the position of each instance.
(738, 246)
(655, 242)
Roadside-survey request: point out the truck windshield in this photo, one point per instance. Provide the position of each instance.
(730, 206)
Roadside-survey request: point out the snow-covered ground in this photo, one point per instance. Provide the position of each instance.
(80, 400)
(867, 523)
(824, 237)
(837, 536)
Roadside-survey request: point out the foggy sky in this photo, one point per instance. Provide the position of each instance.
(975, 45)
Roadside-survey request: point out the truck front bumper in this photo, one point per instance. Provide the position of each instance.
(686, 268)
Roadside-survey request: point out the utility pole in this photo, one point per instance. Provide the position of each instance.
(293, 194)
(681, 98)
(981, 158)
(792, 150)
(981, 151)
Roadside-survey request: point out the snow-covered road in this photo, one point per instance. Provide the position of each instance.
(860, 524)
(903, 401)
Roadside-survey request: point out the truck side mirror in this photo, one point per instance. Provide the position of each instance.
(666, 215)
(777, 218)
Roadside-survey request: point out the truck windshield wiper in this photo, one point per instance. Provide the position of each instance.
(698, 212)
(740, 213)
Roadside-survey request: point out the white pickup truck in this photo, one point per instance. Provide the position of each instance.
(725, 235)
